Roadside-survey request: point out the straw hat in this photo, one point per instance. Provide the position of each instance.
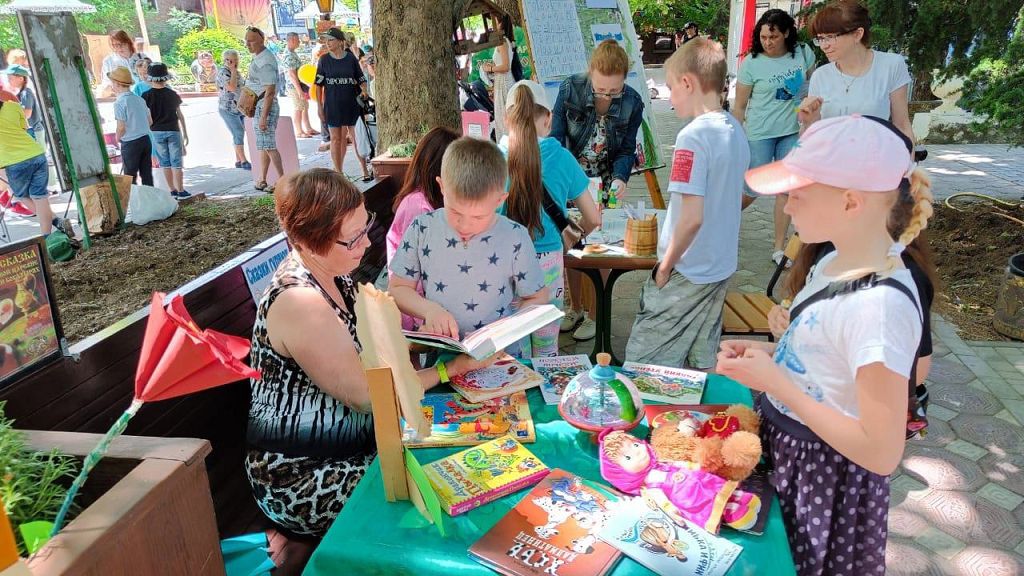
(121, 75)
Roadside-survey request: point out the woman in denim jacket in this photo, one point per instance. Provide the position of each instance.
(597, 117)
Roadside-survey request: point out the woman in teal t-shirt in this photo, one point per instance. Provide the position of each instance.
(772, 82)
(538, 165)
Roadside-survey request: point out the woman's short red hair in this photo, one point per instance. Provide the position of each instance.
(311, 206)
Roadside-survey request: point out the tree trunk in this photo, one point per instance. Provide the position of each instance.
(415, 86)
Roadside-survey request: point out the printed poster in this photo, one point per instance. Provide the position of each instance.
(28, 322)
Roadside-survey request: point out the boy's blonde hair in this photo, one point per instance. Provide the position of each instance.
(472, 169)
(704, 59)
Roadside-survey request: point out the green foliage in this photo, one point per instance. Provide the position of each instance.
(995, 88)
(183, 22)
(215, 40)
(711, 16)
(402, 149)
(32, 484)
(110, 15)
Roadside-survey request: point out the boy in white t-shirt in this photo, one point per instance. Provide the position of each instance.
(680, 318)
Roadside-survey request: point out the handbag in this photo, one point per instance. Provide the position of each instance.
(247, 100)
(572, 233)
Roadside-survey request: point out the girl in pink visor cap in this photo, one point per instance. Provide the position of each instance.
(835, 406)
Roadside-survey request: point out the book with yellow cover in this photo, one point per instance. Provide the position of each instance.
(484, 473)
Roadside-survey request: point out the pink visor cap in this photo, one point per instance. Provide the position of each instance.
(850, 152)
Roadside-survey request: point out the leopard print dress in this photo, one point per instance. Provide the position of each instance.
(307, 451)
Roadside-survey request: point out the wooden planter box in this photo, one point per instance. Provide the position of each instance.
(386, 165)
(148, 510)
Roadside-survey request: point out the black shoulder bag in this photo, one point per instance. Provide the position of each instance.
(572, 233)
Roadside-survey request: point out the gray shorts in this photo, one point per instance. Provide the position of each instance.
(266, 139)
(679, 325)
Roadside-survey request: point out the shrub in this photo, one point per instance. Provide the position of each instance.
(213, 40)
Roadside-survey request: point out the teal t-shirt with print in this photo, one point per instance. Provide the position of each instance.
(564, 179)
(778, 86)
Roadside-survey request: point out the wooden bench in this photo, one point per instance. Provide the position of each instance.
(746, 314)
(88, 390)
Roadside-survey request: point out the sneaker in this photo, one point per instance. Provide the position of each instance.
(570, 321)
(246, 165)
(183, 195)
(238, 164)
(586, 331)
(65, 226)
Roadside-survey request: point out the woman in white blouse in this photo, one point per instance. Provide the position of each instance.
(858, 79)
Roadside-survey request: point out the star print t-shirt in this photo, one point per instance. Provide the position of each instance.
(475, 280)
(777, 85)
(831, 339)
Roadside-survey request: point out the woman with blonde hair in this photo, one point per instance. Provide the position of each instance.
(596, 118)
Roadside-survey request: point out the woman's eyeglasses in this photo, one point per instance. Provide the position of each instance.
(351, 244)
(608, 95)
(823, 39)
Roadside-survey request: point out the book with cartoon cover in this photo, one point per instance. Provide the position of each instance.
(557, 372)
(455, 421)
(482, 474)
(553, 530)
(503, 377)
(646, 534)
(665, 384)
(494, 337)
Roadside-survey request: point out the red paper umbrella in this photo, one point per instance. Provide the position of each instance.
(177, 359)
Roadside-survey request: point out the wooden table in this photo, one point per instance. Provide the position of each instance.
(592, 266)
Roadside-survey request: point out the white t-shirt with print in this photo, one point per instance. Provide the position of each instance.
(831, 339)
(867, 94)
(709, 160)
(262, 71)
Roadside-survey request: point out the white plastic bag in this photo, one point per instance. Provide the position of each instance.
(148, 204)
(362, 142)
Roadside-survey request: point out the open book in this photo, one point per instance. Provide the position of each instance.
(495, 336)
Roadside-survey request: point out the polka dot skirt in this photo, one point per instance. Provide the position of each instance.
(835, 512)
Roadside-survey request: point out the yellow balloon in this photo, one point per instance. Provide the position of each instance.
(313, 90)
(307, 74)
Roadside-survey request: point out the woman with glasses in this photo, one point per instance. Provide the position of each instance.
(596, 118)
(310, 430)
(123, 55)
(203, 68)
(857, 80)
(772, 81)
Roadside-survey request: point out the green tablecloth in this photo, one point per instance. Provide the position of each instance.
(372, 536)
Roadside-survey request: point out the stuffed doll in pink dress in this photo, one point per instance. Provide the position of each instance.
(701, 497)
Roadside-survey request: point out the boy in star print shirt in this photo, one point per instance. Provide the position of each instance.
(472, 261)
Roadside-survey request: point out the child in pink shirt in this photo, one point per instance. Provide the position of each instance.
(420, 192)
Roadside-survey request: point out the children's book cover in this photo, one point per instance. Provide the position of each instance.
(503, 377)
(484, 473)
(557, 372)
(646, 534)
(665, 384)
(553, 530)
(456, 421)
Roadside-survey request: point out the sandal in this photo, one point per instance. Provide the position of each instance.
(261, 186)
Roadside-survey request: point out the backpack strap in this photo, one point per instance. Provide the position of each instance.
(553, 211)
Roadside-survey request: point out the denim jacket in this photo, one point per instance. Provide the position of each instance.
(574, 121)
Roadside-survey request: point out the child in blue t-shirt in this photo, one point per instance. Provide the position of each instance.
(539, 167)
(471, 261)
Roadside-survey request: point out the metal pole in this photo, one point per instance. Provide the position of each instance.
(72, 172)
(80, 64)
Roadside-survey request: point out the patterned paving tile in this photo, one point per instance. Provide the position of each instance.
(963, 399)
(966, 449)
(942, 470)
(939, 542)
(985, 561)
(904, 557)
(969, 518)
(903, 487)
(905, 522)
(1000, 496)
(940, 412)
(949, 370)
(939, 433)
(1007, 470)
(987, 432)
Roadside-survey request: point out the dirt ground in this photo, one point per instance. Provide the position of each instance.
(971, 250)
(120, 273)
